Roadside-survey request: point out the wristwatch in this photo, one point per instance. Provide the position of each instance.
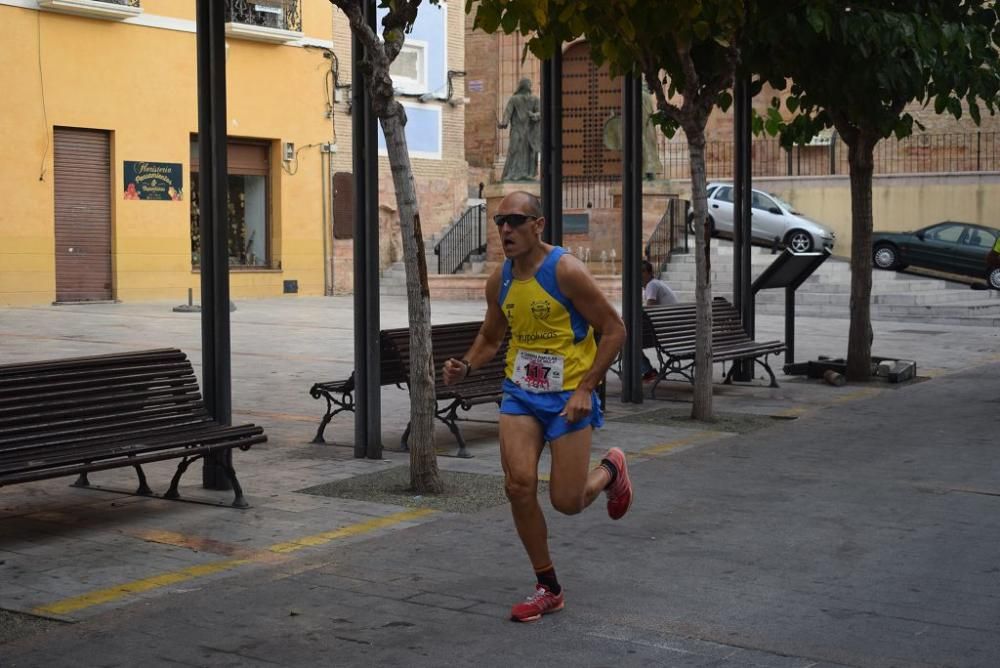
(468, 367)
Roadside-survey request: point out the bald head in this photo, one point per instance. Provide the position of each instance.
(521, 201)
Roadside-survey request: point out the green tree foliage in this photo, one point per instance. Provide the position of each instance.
(685, 51)
(856, 67)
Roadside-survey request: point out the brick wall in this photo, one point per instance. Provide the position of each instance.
(482, 82)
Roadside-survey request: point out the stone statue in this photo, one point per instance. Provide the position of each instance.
(651, 165)
(523, 115)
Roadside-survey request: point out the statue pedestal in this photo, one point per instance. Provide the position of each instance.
(655, 195)
(493, 194)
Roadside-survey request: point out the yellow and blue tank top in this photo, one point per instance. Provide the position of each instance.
(544, 325)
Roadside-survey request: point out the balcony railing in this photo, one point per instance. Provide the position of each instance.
(266, 20)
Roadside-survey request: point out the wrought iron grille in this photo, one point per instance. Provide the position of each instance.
(125, 3)
(920, 153)
(280, 14)
(670, 235)
(464, 239)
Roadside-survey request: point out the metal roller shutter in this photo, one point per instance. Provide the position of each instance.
(82, 215)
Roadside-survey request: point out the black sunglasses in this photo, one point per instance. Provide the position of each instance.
(512, 219)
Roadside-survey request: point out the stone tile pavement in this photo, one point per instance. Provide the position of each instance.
(79, 555)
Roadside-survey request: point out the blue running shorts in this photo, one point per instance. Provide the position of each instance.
(545, 407)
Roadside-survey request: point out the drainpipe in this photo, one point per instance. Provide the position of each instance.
(323, 190)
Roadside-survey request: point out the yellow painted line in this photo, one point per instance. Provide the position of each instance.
(348, 531)
(670, 446)
(793, 412)
(659, 449)
(110, 594)
(118, 592)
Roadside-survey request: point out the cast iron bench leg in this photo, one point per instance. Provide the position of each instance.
(81, 481)
(144, 489)
(239, 501)
(345, 403)
(450, 417)
(172, 492)
(767, 367)
(404, 442)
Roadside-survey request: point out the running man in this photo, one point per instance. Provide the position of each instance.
(556, 314)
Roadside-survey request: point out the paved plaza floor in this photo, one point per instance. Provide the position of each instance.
(811, 526)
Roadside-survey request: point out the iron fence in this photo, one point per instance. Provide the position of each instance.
(590, 192)
(462, 240)
(280, 14)
(670, 235)
(920, 153)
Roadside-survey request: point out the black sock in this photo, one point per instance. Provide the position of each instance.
(547, 577)
(612, 471)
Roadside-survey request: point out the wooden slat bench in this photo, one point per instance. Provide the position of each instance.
(671, 331)
(447, 340)
(79, 415)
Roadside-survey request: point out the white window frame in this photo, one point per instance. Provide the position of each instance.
(409, 84)
(426, 155)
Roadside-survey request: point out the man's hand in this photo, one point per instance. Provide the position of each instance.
(993, 259)
(578, 407)
(454, 371)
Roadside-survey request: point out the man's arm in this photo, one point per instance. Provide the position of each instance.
(579, 286)
(487, 342)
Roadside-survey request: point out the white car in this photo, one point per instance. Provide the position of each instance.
(771, 218)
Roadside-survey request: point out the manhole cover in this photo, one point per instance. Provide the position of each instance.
(463, 492)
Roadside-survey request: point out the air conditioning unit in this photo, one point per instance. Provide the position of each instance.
(269, 14)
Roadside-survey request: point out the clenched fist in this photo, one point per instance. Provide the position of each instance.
(454, 371)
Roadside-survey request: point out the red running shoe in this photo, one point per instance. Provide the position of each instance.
(542, 602)
(620, 493)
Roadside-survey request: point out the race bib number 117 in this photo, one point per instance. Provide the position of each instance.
(538, 372)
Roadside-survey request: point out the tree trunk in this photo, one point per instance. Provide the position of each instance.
(702, 407)
(859, 348)
(424, 476)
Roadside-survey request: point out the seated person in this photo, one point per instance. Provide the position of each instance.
(654, 293)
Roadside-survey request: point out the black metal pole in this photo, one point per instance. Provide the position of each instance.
(367, 344)
(743, 298)
(212, 192)
(545, 168)
(789, 325)
(632, 239)
(555, 149)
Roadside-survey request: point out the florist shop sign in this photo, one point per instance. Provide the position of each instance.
(153, 180)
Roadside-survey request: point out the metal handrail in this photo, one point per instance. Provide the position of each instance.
(670, 235)
(462, 240)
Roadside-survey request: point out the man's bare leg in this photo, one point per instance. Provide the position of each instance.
(573, 484)
(520, 448)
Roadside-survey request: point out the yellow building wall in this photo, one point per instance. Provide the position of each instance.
(139, 83)
(899, 202)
